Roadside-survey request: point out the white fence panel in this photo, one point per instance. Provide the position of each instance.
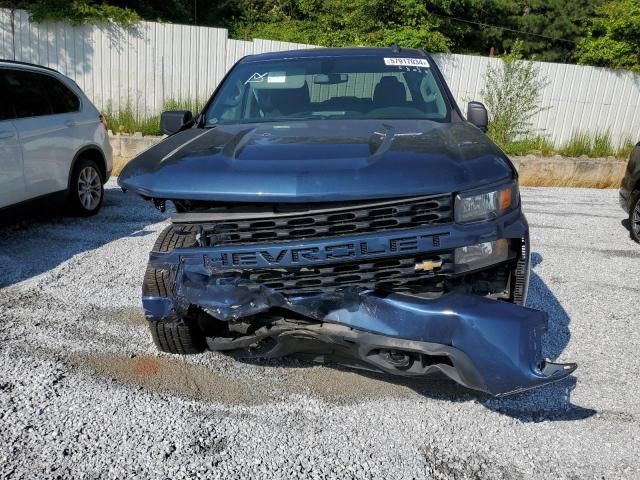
(139, 67)
(236, 49)
(144, 66)
(576, 98)
(6, 34)
(266, 46)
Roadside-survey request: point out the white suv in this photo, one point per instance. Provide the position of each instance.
(52, 139)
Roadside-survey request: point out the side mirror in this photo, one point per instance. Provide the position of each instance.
(172, 122)
(477, 115)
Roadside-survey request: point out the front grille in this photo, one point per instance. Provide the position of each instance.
(397, 274)
(327, 222)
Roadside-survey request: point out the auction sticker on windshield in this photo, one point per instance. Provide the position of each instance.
(277, 77)
(406, 62)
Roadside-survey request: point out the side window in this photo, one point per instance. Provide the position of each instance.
(62, 99)
(29, 97)
(6, 107)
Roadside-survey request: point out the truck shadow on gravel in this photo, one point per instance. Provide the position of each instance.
(552, 402)
(626, 223)
(37, 239)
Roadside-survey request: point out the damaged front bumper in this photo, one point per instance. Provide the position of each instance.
(483, 344)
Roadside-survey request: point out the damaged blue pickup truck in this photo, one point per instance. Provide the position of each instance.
(335, 203)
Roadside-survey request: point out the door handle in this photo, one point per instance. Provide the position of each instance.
(71, 123)
(7, 134)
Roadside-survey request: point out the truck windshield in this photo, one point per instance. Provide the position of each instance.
(364, 87)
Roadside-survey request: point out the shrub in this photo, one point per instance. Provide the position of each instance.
(80, 12)
(512, 96)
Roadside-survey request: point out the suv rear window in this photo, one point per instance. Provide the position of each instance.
(29, 98)
(34, 94)
(62, 99)
(356, 87)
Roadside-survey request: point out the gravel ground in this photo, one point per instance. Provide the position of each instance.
(83, 392)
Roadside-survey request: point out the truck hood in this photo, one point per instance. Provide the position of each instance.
(319, 160)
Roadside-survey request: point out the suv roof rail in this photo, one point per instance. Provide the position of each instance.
(27, 64)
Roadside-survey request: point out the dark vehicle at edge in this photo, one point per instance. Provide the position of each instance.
(630, 192)
(335, 203)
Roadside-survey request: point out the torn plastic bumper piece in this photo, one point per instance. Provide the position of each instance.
(493, 346)
(483, 344)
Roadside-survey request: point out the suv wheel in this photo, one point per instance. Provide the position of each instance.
(87, 188)
(181, 336)
(634, 219)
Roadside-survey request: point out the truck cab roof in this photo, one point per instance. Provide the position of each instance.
(338, 52)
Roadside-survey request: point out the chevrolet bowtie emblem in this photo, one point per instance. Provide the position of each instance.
(428, 265)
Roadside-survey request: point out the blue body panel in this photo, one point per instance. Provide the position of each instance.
(501, 341)
(318, 161)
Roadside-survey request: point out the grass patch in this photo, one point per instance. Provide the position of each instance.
(578, 144)
(590, 144)
(601, 145)
(534, 145)
(624, 151)
(194, 106)
(130, 119)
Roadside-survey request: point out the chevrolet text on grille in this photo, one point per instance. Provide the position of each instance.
(321, 254)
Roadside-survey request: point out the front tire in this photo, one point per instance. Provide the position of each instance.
(182, 336)
(87, 188)
(177, 337)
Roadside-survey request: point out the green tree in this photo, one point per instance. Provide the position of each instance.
(340, 23)
(127, 12)
(548, 30)
(75, 11)
(615, 38)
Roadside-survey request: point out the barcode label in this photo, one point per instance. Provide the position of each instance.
(406, 62)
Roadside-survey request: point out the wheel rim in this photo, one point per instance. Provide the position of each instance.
(89, 188)
(635, 219)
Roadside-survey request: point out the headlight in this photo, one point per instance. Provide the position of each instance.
(481, 255)
(477, 207)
